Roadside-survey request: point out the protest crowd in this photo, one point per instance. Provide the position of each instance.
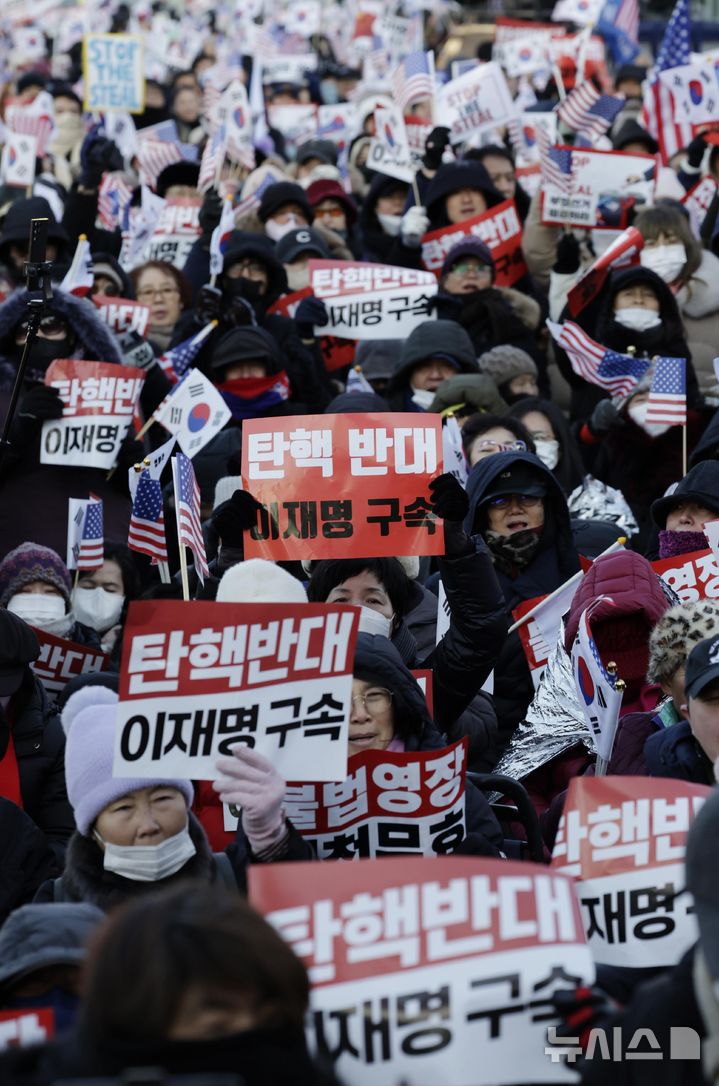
(359, 500)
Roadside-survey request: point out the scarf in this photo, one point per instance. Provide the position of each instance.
(512, 553)
(252, 397)
(672, 543)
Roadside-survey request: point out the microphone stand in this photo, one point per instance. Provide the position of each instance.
(37, 277)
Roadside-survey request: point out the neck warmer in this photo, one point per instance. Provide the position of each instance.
(673, 543)
(512, 553)
(250, 397)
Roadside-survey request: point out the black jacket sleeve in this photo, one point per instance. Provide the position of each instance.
(484, 835)
(465, 656)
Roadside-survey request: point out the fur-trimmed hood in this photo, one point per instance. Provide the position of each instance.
(525, 308)
(96, 341)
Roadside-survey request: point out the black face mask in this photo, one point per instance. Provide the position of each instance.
(42, 353)
(248, 289)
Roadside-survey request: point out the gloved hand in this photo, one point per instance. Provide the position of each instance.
(98, 155)
(604, 418)
(567, 255)
(434, 147)
(311, 313)
(695, 151)
(39, 403)
(210, 214)
(250, 781)
(237, 312)
(208, 306)
(450, 501)
(583, 1009)
(233, 517)
(414, 225)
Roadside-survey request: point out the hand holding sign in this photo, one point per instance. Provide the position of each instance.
(251, 782)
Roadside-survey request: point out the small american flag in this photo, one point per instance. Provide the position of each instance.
(588, 112)
(667, 401)
(92, 542)
(618, 373)
(36, 119)
(212, 159)
(187, 510)
(154, 156)
(252, 201)
(658, 111)
(176, 361)
(147, 522)
(113, 196)
(555, 162)
(413, 78)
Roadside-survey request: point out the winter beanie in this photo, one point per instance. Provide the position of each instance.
(470, 246)
(89, 722)
(258, 581)
(675, 635)
(506, 362)
(32, 562)
(225, 488)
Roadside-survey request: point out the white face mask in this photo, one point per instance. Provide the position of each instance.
(637, 318)
(423, 397)
(298, 278)
(96, 607)
(666, 260)
(638, 414)
(148, 863)
(372, 622)
(547, 451)
(47, 612)
(390, 224)
(276, 230)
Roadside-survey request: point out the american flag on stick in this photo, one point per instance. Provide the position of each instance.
(92, 542)
(413, 78)
(588, 112)
(147, 522)
(667, 401)
(187, 511)
(618, 373)
(555, 163)
(659, 115)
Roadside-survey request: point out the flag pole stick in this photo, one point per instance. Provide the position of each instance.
(575, 579)
(684, 449)
(183, 553)
(415, 191)
(164, 571)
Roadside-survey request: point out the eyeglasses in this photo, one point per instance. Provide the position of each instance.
(503, 446)
(375, 701)
(251, 266)
(329, 213)
(147, 293)
(51, 327)
(464, 267)
(527, 501)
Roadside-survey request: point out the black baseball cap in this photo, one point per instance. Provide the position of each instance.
(702, 666)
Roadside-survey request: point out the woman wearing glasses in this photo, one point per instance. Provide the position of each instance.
(388, 712)
(518, 508)
(168, 294)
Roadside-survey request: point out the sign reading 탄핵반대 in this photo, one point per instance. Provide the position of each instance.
(198, 679)
(361, 480)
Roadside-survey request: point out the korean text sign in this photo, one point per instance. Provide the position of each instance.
(693, 576)
(21, 1029)
(198, 679)
(113, 73)
(99, 400)
(357, 480)
(418, 967)
(499, 227)
(601, 182)
(389, 804)
(61, 660)
(372, 301)
(623, 838)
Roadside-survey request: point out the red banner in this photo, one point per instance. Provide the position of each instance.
(122, 315)
(693, 576)
(61, 660)
(499, 227)
(336, 353)
(360, 481)
(20, 1029)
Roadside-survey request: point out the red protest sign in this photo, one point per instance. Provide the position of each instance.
(372, 301)
(446, 959)
(693, 576)
(390, 804)
(623, 839)
(61, 660)
(424, 678)
(19, 1029)
(499, 227)
(336, 353)
(122, 315)
(195, 682)
(360, 479)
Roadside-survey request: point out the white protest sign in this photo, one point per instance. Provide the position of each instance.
(288, 68)
(198, 679)
(193, 412)
(113, 73)
(389, 151)
(296, 123)
(622, 838)
(475, 102)
(599, 187)
(372, 301)
(99, 400)
(176, 231)
(418, 968)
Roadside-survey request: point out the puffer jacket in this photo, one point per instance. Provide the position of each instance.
(675, 753)
(26, 859)
(554, 562)
(378, 657)
(39, 743)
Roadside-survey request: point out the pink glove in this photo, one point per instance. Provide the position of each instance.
(250, 781)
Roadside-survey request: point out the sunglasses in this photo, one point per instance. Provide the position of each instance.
(527, 501)
(51, 327)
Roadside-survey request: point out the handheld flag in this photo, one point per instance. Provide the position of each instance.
(618, 373)
(667, 401)
(147, 522)
(413, 78)
(221, 236)
(659, 115)
(91, 544)
(79, 279)
(176, 361)
(600, 694)
(588, 112)
(454, 459)
(623, 250)
(187, 510)
(194, 412)
(357, 382)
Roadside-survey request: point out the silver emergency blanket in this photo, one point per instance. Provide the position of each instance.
(554, 722)
(594, 500)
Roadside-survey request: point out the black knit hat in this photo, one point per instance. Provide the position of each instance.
(283, 192)
(177, 173)
(247, 344)
(16, 226)
(453, 176)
